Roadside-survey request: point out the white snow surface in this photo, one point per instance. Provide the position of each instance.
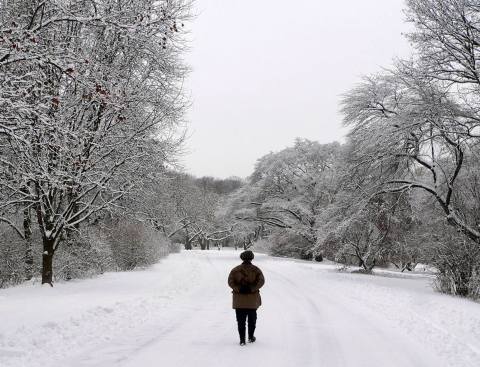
(178, 313)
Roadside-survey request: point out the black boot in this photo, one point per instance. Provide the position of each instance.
(251, 339)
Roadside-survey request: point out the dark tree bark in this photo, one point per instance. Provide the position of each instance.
(188, 242)
(27, 230)
(47, 261)
(203, 243)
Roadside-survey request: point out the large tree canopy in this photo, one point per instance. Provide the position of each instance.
(85, 86)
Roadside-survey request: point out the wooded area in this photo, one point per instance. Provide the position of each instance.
(405, 187)
(92, 124)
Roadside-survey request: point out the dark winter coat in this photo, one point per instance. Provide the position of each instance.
(246, 280)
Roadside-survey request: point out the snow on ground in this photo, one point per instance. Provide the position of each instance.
(178, 313)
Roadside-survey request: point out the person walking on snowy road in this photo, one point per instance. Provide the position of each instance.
(246, 280)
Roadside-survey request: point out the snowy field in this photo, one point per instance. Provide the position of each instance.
(178, 313)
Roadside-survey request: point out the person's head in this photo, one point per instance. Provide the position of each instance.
(247, 256)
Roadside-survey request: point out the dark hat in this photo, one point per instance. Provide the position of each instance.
(247, 255)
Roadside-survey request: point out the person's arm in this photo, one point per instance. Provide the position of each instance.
(259, 281)
(232, 284)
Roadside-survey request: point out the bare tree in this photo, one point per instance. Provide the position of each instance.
(417, 127)
(84, 85)
(289, 189)
(447, 36)
(409, 133)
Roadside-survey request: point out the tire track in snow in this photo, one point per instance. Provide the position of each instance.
(317, 332)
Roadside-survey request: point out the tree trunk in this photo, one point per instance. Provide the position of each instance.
(69, 245)
(188, 243)
(47, 261)
(407, 266)
(369, 267)
(27, 230)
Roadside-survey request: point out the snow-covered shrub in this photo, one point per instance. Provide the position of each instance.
(11, 259)
(89, 252)
(289, 244)
(84, 255)
(133, 244)
(458, 264)
(474, 285)
(263, 245)
(12, 256)
(361, 243)
(124, 245)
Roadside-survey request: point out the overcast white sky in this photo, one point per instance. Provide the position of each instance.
(268, 71)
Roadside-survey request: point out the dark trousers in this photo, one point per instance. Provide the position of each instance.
(242, 315)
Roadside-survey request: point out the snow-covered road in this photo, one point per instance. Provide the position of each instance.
(178, 314)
